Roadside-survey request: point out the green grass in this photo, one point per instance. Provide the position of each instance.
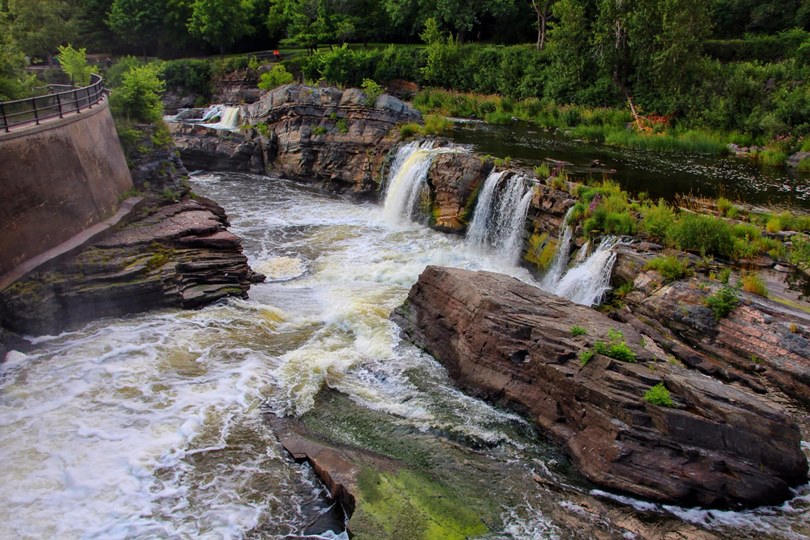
(671, 268)
(754, 284)
(578, 331)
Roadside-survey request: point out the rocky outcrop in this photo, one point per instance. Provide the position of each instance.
(762, 339)
(178, 255)
(512, 343)
(210, 149)
(543, 226)
(155, 162)
(237, 87)
(324, 135)
(454, 180)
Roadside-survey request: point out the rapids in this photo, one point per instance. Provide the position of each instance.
(152, 426)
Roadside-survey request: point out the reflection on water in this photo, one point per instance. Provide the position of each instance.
(151, 426)
(660, 174)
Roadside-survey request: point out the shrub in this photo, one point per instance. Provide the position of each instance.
(670, 267)
(578, 331)
(189, 74)
(372, 91)
(753, 283)
(139, 96)
(277, 76)
(703, 234)
(585, 357)
(659, 395)
(319, 130)
(437, 125)
(656, 220)
(115, 74)
(617, 348)
(723, 301)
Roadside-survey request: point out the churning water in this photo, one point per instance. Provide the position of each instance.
(151, 426)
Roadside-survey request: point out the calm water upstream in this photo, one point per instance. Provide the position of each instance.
(151, 426)
(660, 174)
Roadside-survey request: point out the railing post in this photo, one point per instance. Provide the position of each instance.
(76, 100)
(59, 104)
(36, 113)
(5, 119)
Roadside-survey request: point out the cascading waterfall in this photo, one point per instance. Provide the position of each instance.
(558, 265)
(408, 179)
(228, 117)
(500, 215)
(587, 282)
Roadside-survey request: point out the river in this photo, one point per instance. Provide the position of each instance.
(153, 425)
(659, 174)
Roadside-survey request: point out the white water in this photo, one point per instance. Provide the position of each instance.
(151, 426)
(500, 216)
(560, 262)
(408, 181)
(228, 117)
(587, 282)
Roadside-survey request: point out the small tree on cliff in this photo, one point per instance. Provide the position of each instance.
(220, 22)
(74, 64)
(139, 96)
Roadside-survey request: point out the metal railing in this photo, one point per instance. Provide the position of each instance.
(53, 105)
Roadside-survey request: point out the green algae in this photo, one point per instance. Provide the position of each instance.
(540, 250)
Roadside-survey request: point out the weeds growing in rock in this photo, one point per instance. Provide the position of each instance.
(585, 357)
(754, 284)
(723, 301)
(578, 331)
(671, 268)
(659, 395)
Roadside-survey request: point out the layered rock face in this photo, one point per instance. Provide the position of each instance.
(323, 135)
(179, 255)
(512, 343)
(454, 181)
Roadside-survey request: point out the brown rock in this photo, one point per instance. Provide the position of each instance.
(454, 180)
(510, 342)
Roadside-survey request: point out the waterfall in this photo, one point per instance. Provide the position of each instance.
(500, 216)
(558, 265)
(408, 179)
(587, 282)
(228, 117)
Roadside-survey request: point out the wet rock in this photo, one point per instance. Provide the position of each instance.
(177, 255)
(543, 223)
(798, 157)
(454, 180)
(511, 343)
(209, 149)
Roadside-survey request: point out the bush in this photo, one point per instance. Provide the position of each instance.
(139, 96)
(657, 220)
(74, 64)
(115, 74)
(670, 268)
(723, 301)
(702, 234)
(372, 91)
(277, 76)
(578, 331)
(659, 395)
(191, 75)
(753, 283)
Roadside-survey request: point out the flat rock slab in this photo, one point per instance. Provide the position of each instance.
(512, 343)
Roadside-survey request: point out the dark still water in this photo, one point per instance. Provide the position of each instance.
(660, 174)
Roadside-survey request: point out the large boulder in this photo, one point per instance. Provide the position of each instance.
(454, 180)
(179, 255)
(512, 343)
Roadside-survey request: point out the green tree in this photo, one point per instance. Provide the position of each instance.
(14, 82)
(220, 22)
(542, 9)
(74, 63)
(139, 96)
(571, 56)
(136, 22)
(38, 27)
(460, 16)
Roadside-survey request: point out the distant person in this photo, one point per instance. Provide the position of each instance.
(277, 55)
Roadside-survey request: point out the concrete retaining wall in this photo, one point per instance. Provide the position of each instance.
(56, 180)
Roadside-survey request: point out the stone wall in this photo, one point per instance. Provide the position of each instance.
(56, 180)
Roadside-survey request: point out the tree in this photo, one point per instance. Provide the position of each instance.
(460, 16)
(74, 63)
(542, 8)
(14, 82)
(136, 22)
(220, 22)
(38, 27)
(139, 96)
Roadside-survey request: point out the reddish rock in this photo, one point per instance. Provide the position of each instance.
(511, 343)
